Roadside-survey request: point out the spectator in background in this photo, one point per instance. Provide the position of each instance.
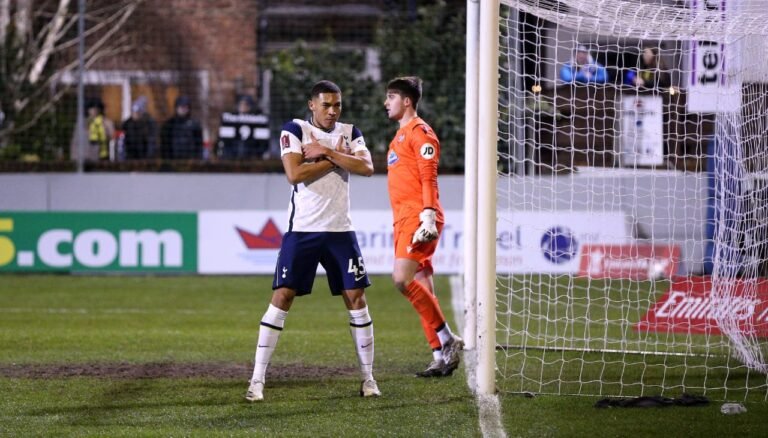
(139, 139)
(650, 73)
(99, 132)
(181, 136)
(583, 69)
(243, 134)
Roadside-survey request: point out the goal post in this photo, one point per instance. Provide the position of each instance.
(470, 173)
(620, 229)
(486, 200)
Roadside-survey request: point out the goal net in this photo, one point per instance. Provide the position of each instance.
(632, 198)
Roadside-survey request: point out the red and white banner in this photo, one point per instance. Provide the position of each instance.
(688, 307)
(634, 261)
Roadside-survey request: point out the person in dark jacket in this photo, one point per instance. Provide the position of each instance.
(139, 133)
(651, 72)
(243, 134)
(182, 136)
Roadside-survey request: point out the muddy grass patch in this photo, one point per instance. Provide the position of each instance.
(170, 370)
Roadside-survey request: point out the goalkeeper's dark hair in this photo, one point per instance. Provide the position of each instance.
(324, 87)
(407, 86)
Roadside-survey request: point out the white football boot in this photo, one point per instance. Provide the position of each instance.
(255, 391)
(369, 389)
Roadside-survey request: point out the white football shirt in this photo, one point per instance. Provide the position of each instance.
(323, 204)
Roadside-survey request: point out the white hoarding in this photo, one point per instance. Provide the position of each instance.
(247, 242)
(712, 84)
(239, 242)
(642, 130)
(550, 242)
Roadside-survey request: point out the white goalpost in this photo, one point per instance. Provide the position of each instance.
(616, 197)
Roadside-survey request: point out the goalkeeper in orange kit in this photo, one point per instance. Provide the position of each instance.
(418, 219)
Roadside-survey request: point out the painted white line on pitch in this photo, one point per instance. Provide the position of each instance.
(488, 406)
(112, 311)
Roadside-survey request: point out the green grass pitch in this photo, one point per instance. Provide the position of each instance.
(132, 327)
(170, 356)
(567, 315)
(582, 340)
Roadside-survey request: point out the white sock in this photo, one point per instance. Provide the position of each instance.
(437, 355)
(444, 334)
(361, 328)
(269, 332)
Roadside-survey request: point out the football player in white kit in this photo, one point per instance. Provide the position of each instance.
(318, 156)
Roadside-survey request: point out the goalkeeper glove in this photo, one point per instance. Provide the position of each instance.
(427, 231)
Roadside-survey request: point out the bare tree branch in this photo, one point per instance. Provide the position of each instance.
(61, 22)
(23, 18)
(41, 34)
(113, 21)
(115, 28)
(50, 40)
(49, 104)
(49, 20)
(5, 18)
(22, 22)
(53, 100)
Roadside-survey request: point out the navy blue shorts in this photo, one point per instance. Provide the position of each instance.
(337, 252)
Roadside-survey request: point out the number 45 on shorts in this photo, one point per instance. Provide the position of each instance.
(357, 268)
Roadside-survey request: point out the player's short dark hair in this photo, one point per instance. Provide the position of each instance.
(324, 87)
(407, 86)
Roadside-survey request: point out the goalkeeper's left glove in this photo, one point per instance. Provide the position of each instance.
(427, 231)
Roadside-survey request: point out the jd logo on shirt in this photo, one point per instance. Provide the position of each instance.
(427, 151)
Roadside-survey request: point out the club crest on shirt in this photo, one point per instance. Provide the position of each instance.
(392, 158)
(285, 142)
(401, 138)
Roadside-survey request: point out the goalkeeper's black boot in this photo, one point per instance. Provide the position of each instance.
(434, 369)
(449, 368)
(452, 352)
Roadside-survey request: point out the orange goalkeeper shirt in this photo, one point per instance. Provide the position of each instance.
(412, 171)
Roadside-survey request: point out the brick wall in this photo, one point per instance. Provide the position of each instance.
(188, 36)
